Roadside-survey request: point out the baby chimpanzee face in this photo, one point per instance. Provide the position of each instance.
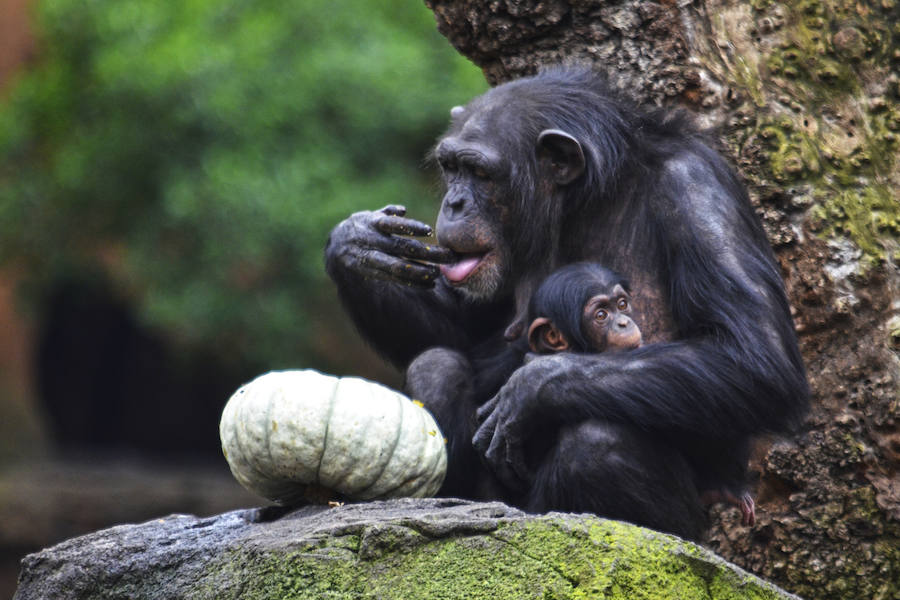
(607, 323)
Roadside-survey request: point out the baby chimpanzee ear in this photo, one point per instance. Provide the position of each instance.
(545, 338)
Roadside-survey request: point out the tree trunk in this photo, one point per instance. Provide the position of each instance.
(806, 98)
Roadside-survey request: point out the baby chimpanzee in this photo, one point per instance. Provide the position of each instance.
(582, 307)
(585, 307)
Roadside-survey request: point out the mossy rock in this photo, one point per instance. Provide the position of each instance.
(429, 548)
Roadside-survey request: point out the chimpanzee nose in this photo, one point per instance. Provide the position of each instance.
(455, 202)
(454, 205)
(622, 323)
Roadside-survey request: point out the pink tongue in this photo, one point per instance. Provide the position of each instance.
(460, 270)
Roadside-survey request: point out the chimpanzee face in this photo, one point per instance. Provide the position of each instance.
(606, 321)
(501, 175)
(474, 213)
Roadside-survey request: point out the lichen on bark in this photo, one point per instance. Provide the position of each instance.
(816, 139)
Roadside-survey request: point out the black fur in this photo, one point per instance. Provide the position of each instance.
(632, 435)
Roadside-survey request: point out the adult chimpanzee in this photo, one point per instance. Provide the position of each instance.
(583, 307)
(550, 170)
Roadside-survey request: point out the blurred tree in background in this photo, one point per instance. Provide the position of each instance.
(197, 153)
(169, 172)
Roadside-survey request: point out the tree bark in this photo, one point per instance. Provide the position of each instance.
(805, 96)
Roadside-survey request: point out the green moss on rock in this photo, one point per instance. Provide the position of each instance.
(557, 556)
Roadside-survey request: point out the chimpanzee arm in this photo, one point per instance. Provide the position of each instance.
(443, 380)
(734, 371)
(390, 286)
(684, 390)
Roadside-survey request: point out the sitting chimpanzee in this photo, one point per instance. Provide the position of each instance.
(582, 307)
(551, 170)
(586, 308)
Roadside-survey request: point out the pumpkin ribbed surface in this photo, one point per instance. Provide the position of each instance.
(287, 430)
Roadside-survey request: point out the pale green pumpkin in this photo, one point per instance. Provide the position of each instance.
(287, 434)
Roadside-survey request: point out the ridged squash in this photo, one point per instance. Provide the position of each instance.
(288, 434)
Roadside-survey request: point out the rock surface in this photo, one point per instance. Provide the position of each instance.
(431, 548)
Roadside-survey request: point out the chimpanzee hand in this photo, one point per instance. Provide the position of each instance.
(508, 419)
(368, 243)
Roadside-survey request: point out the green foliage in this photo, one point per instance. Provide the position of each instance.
(199, 151)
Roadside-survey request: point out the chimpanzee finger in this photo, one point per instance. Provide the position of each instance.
(486, 409)
(407, 248)
(397, 225)
(487, 435)
(498, 457)
(384, 266)
(394, 209)
(412, 248)
(748, 510)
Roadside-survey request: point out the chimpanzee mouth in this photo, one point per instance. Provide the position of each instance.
(458, 272)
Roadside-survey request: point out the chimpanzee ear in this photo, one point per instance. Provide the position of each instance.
(545, 338)
(562, 154)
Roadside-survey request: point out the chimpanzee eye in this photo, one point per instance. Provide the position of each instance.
(480, 173)
(601, 315)
(622, 304)
(447, 166)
